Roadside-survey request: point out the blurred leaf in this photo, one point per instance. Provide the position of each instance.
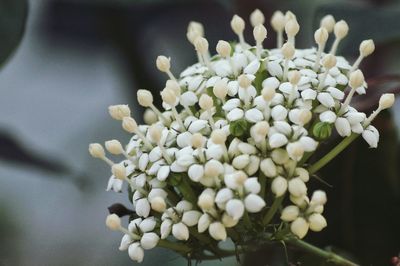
(365, 22)
(13, 14)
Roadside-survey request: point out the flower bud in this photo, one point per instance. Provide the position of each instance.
(155, 132)
(289, 16)
(180, 231)
(114, 147)
(165, 228)
(223, 48)
(294, 77)
(367, 47)
(319, 209)
(197, 140)
(257, 18)
(268, 167)
(277, 140)
(113, 222)
(118, 112)
(206, 199)
(213, 168)
(254, 203)
(235, 208)
(163, 63)
(322, 130)
(174, 86)
(259, 131)
(145, 98)
(343, 126)
(319, 197)
(341, 29)
(279, 156)
(302, 202)
(321, 36)
(204, 223)
(237, 24)
(288, 50)
(297, 187)
(329, 61)
(119, 171)
(218, 136)
(356, 79)
(217, 231)
(328, 22)
(191, 218)
(220, 89)
(386, 101)
(228, 221)
(149, 240)
(136, 252)
(299, 227)
(317, 222)
(168, 96)
(158, 204)
(244, 81)
(292, 28)
(278, 21)
(295, 150)
(290, 213)
(197, 27)
(96, 150)
(259, 33)
(279, 186)
(206, 102)
(268, 93)
(150, 117)
(302, 174)
(129, 124)
(201, 45)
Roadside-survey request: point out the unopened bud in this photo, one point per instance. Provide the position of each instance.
(158, 204)
(119, 171)
(290, 213)
(120, 111)
(278, 21)
(299, 227)
(155, 132)
(220, 89)
(197, 140)
(201, 45)
(328, 22)
(114, 147)
(173, 85)
(367, 47)
(288, 50)
(329, 61)
(96, 150)
(196, 26)
(217, 231)
(145, 98)
(292, 28)
(223, 48)
(319, 197)
(129, 124)
(317, 222)
(341, 29)
(268, 93)
(386, 101)
(356, 79)
(206, 102)
(113, 222)
(163, 63)
(168, 96)
(150, 117)
(294, 77)
(321, 36)
(257, 18)
(259, 33)
(218, 136)
(237, 24)
(244, 81)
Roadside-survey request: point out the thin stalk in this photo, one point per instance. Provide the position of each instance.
(178, 247)
(274, 208)
(332, 154)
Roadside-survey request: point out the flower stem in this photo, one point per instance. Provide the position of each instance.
(328, 255)
(332, 154)
(274, 208)
(181, 248)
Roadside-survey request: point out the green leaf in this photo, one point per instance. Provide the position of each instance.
(13, 14)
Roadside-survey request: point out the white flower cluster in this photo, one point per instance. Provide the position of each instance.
(235, 133)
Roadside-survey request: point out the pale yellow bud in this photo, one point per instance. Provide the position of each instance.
(321, 36)
(96, 150)
(367, 47)
(299, 227)
(278, 21)
(268, 93)
(341, 29)
(240, 177)
(168, 96)
(292, 27)
(220, 89)
(163, 63)
(294, 77)
(119, 111)
(386, 101)
(244, 81)
(223, 48)
(155, 132)
(237, 24)
(356, 79)
(198, 140)
(113, 222)
(119, 171)
(114, 147)
(218, 136)
(328, 22)
(129, 124)
(212, 168)
(173, 85)
(158, 204)
(259, 33)
(257, 18)
(201, 45)
(145, 98)
(305, 116)
(288, 50)
(196, 26)
(192, 35)
(289, 16)
(150, 117)
(329, 61)
(206, 102)
(317, 222)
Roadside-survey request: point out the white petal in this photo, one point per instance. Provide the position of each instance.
(343, 127)
(217, 231)
(252, 68)
(180, 231)
(190, 218)
(277, 140)
(125, 242)
(198, 125)
(336, 93)
(149, 240)
(271, 82)
(279, 186)
(254, 115)
(184, 139)
(135, 252)
(299, 227)
(148, 224)
(163, 173)
(279, 112)
(371, 138)
(268, 167)
(328, 117)
(235, 208)
(235, 114)
(204, 223)
(254, 203)
(275, 69)
(196, 172)
(142, 207)
(165, 229)
(309, 144)
(309, 94)
(143, 161)
(286, 87)
(326, 99)
(241, 161)
(233, 87)
(188, 98)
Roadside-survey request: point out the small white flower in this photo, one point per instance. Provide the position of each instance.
(217, 231)
(235, 208)
(326, 99)
(371, 136)
(343, 127)
(317, 222)
(279, 112)
(135, 252)
(268, 167)
(277, 140)
(297, 187)
(180, 231)
(279, 186)
(149, 240)
(328, 117)
(241, 161)
(299, 227)
(290, 213)
(235, 114)
(254, 203)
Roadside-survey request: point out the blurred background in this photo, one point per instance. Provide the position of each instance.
(63, 62)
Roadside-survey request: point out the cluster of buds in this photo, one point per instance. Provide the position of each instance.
(232, 140)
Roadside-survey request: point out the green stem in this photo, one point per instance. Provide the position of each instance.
(263, 182)
(332, 154)
(327, 255)
(181, 248)
(187, 191)
(274, 208)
